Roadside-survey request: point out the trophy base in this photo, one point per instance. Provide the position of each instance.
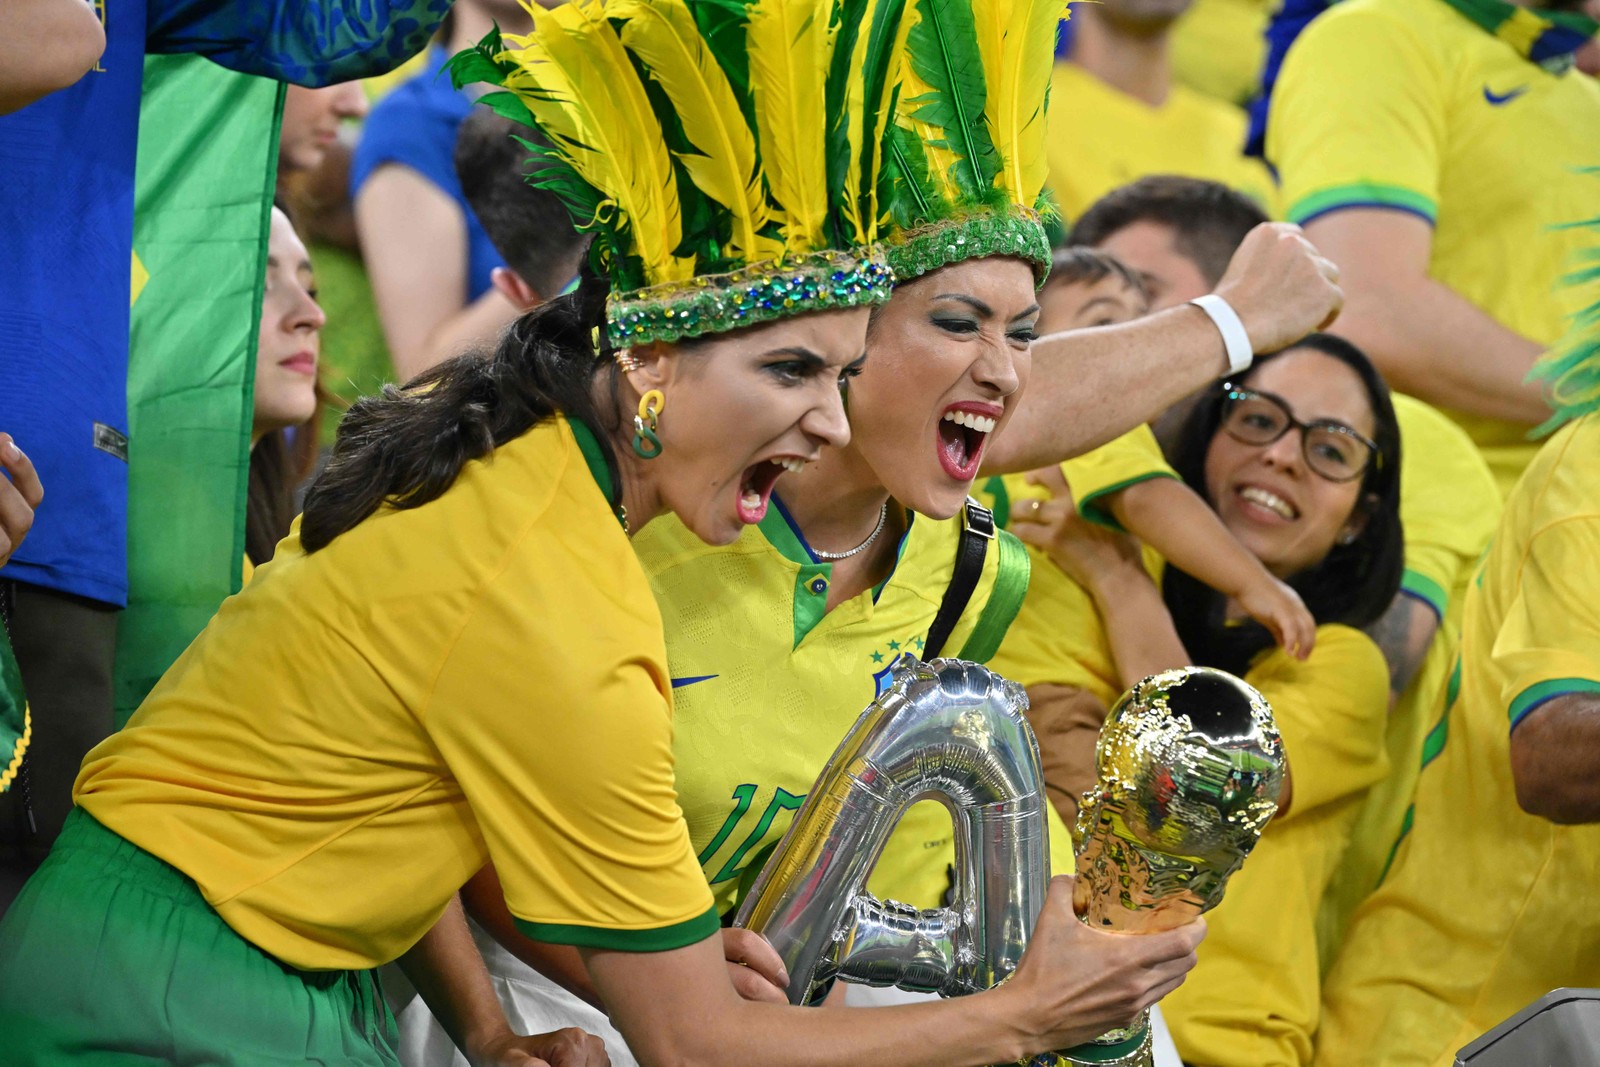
(1137, 1049)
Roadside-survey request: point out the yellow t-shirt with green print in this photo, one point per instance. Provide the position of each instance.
(1407, 105)
(766, 684)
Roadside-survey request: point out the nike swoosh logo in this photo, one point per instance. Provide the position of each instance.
(1497, 99)
(679, 683)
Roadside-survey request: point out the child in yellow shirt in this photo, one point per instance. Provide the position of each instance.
(1128, 486)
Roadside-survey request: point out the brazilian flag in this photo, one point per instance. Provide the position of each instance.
(208, 146)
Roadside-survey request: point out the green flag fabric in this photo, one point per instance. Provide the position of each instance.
(208, 145)
(15, 725)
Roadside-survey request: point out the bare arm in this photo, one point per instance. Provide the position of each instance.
(1403, 634)
(1427, 339)
(414, 242)
(449, 974)
(1172, 519)
(675, 1008)
(1089, 386)
(753, 967)
(45, 45)
(1553, 760)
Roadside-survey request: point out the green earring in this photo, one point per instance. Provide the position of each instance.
(646, 445)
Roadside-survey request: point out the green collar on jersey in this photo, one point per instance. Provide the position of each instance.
(599, 469)
(814, 576)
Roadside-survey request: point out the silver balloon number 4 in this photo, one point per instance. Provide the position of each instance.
(1190, 765)
(949, 730)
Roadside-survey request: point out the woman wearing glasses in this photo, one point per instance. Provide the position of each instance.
(1300, 458)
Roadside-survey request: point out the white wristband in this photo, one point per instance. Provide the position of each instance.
(1234, 338)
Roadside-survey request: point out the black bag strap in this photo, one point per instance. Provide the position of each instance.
(977, 530)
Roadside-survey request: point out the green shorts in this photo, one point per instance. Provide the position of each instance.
(111, 956)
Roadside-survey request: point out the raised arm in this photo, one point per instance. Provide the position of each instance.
(1427, 339)
(45, 45)
(308, 42)
(1090, 386)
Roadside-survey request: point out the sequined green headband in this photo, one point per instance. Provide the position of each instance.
(760, 292)
(1009, 231)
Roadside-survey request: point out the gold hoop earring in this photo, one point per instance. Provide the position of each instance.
(646, 445)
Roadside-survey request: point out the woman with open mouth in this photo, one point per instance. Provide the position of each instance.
(456, 655)
(777, 641)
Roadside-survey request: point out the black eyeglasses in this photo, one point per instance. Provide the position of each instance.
(1333, 450)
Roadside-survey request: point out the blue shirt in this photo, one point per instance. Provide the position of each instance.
(416, 126)
(66, 246)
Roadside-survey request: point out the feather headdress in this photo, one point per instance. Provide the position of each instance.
(696, 142)
(964, 166)
(1570, 370)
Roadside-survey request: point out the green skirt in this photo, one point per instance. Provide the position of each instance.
(111, 956)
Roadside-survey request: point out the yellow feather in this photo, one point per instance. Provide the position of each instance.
(583, 91)
(1016, 39)
(788, 43)
(663, 35)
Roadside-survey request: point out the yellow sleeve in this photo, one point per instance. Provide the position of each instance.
(1096, 475)
(1332, 711)
(554, 718)
(1449, 503)
(1057, 638)
(1357, 117)
(1549, 642)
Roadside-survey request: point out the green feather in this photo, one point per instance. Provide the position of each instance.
(878, 64)
(1572, 369)
(943, 46)
(508, 106)
(846, 25)
(904, 182)
(480, 63)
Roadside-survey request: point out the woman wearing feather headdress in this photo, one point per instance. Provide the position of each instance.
(777, 641)
(456, 655)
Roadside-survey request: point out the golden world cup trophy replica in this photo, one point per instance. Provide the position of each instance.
(1190, 764)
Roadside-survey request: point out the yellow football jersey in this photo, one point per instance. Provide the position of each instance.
(766, 684)
(1253, 997)
(1101, 138)
(1219, 47)
(362, 728)
(1406, 104)
(1488, 907)
(1449, 505)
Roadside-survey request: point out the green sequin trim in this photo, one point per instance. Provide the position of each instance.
(760, 292)
(1013, 232)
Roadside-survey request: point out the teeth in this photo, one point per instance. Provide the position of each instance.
(750, 501)
(792, 464)
(1271, 501)
(972, 422)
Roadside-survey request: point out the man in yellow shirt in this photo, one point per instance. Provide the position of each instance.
(1489, 903)
(1436, 154)
(1116, 113)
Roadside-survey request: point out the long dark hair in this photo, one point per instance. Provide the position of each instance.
(279, 463)
(405, 446)
(1353, 584)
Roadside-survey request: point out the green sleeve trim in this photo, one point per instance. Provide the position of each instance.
(656, 939)
(1005, 600)
(1546, 691)
(1090, 507)
(1363, 194)
(1425, 589)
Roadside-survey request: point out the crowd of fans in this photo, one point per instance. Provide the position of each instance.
(1390, 527)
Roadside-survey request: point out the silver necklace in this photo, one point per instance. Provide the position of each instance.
(883, 516)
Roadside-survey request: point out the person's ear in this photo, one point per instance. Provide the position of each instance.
(653, 365)
(1356, 524)
(515, 288)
